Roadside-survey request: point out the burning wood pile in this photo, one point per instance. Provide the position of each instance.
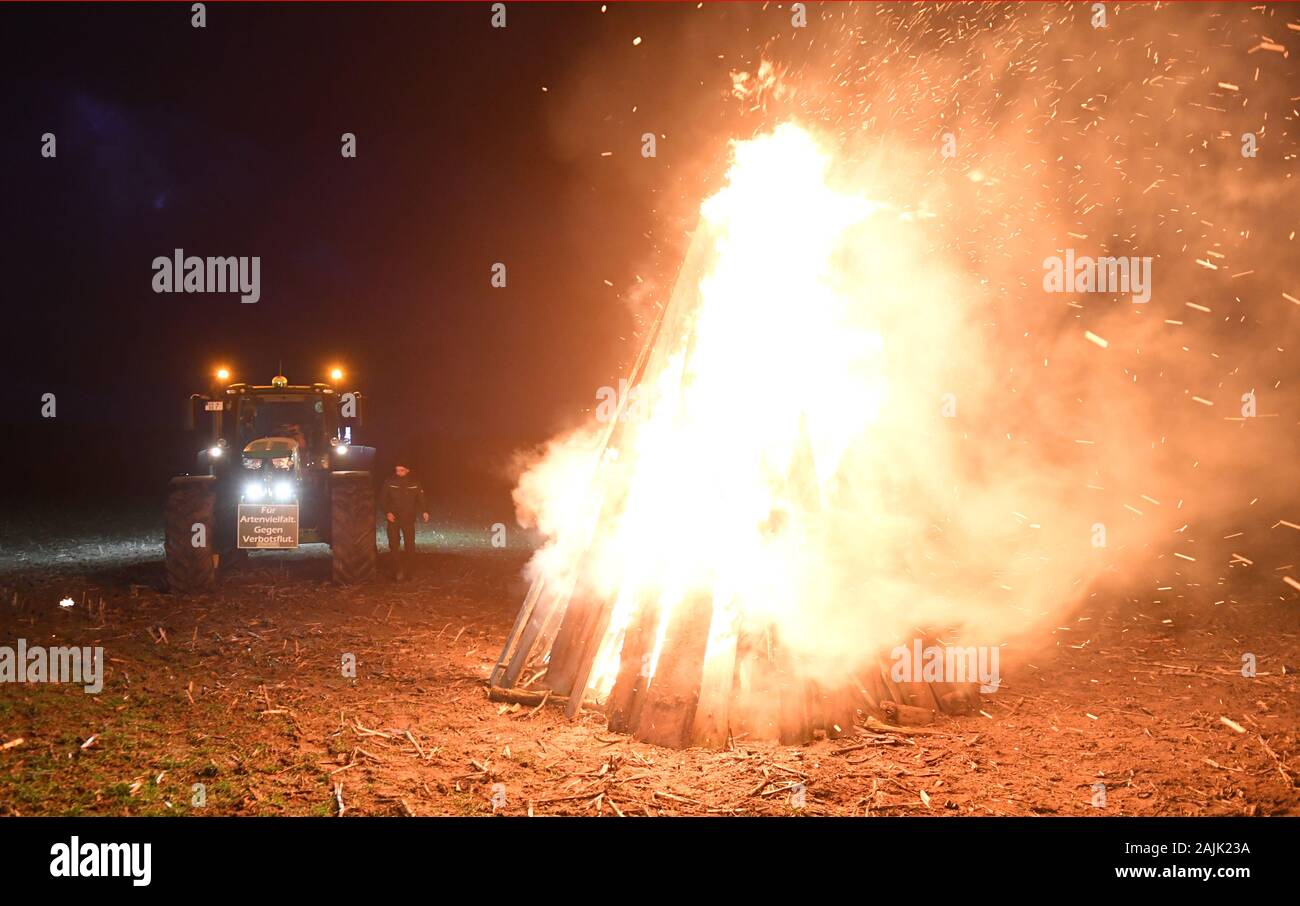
(754, 689)
(703, 573)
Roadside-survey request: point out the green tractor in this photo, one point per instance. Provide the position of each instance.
(278, 469)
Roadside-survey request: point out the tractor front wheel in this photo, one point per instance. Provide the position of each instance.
(189, 526)
(352, 526)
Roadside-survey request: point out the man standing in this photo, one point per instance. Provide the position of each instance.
(401, 498)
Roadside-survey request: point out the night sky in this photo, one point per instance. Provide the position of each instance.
(522, 145)
(225, 140)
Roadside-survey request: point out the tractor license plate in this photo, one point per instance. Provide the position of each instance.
(268, 526)
(214, 405)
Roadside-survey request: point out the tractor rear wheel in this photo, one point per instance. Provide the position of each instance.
(352, 526)
(189, 528)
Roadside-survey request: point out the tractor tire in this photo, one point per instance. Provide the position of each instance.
(190, 503)
(352, 527)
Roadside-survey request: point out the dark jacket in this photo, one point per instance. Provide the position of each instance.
(403, 497)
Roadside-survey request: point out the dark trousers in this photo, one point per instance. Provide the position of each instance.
(402, 532)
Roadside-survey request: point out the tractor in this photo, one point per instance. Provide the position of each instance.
(278, 469)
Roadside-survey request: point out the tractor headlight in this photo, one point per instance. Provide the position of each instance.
(282, 462)
(215, 452)
(252, 462)
(255, 490)
(341, 449)
(283, 490)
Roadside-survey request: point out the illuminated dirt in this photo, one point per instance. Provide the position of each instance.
(245, 695)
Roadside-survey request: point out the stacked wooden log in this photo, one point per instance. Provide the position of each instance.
(755, 688)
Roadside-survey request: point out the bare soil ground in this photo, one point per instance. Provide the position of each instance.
(243, 692)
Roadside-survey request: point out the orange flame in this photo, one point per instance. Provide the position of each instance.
(787, 453)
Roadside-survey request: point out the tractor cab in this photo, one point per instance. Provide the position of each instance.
(317, 418)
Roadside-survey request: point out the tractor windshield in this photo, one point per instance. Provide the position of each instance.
(298, 417)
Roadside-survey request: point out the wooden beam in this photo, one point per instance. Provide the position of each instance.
(566, 650)
(754, 710)
(543, 614)
(794, 726)
(627, 697)
(840, 709)
(674, 692)
(907, 715)
(958, 698)
(713, 711)
(871, 688)
(523, 696)
(588, 651)
(918, 695)
(530, 697)
(521, 620)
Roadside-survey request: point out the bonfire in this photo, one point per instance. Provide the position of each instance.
(766, 514)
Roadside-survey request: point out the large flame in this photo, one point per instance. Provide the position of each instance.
(792, 449)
